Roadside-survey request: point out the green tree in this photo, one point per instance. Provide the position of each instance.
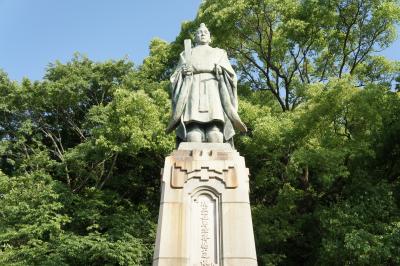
(282, 46)
(321, 114)
(81, 150)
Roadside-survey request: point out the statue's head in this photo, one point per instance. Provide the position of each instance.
(203, 35)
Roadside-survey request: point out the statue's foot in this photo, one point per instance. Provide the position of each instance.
(214, 135)
(195, 134)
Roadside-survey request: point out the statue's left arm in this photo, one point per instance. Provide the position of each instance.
(228, 91)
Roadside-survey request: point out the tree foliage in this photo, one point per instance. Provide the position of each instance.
(80, 155)
(283, 46)
(81, 150)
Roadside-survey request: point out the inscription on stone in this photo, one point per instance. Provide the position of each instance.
(204, 234)
(204, 226)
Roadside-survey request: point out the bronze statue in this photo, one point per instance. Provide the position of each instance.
(204, 94)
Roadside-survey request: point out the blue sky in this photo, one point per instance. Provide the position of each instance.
(34, 33)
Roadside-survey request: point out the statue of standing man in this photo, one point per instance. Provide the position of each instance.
(204, 94)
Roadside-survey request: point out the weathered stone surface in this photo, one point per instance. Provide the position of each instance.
(205, 216)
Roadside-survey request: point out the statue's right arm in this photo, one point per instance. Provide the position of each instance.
(178, 68)
(177, 77)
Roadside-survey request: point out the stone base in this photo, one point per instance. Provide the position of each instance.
(205, 217)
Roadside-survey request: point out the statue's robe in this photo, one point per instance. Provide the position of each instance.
(203, 97)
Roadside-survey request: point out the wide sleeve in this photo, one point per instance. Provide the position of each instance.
(230, 78)
(179, 94)
(224, 63)
(177, 78)
(228, 92)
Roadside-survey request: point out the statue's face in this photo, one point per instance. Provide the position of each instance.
(203, 36)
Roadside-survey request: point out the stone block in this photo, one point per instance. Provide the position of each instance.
(205, 217)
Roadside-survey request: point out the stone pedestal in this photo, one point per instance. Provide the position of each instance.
(205, 217)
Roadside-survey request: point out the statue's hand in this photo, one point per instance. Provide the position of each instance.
(187, 70)
(218, 70)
